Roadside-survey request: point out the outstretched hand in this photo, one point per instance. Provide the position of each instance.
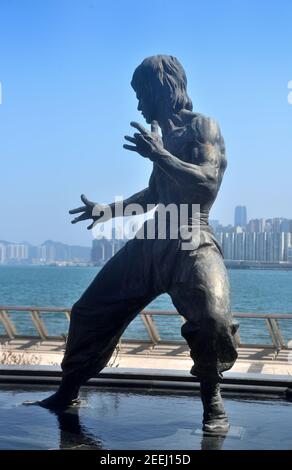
(87, 212)
(146, 143)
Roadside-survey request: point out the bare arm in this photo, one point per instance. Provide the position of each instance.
(144, 198)
(94, 211)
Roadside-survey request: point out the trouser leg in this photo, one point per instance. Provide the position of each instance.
(214, 416)
(93, 337)
(204, 302)
(209, 329)
(118, 293)
(98, 319)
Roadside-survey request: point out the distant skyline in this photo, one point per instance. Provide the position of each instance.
(215, 223)
(65, 78)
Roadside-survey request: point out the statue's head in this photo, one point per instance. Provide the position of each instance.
(160, 84)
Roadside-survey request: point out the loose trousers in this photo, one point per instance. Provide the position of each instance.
(197, 283)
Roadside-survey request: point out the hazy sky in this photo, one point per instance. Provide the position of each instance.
(65, 70)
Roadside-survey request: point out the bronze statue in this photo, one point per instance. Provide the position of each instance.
(188, 165)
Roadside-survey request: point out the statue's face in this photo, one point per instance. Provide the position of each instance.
(146, 106)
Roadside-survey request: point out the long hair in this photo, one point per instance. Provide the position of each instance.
(163, 78)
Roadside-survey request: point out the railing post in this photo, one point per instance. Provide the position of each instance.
(277, 332)
(151, 327)
(8, 324)
(272, 323)
(273, 333)
(38, 323)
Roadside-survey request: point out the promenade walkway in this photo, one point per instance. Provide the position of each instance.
(144, 355)
(157, 351)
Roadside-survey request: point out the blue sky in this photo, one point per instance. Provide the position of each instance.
(65, 71)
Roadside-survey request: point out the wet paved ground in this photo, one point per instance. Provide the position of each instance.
(117, 419)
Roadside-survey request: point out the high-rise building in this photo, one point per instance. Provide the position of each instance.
(261, 246)
(285, 225)
(262, 225)
(280, 246)
(276, 225)
(214, 224)
(250, 246)
(239, 246)
(227, 245)
(289, 254)
(240, 216)
(2, 253)
(17, 252)
(270, 247)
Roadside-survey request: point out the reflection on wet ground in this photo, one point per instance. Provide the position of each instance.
(116, 419)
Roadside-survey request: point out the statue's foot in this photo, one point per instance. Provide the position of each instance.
(215, 419)
(56, 401)
(216, 425)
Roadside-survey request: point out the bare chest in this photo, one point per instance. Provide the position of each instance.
(181, 143)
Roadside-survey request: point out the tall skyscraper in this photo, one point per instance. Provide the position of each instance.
(240, 216)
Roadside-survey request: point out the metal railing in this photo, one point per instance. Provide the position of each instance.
(270, 320)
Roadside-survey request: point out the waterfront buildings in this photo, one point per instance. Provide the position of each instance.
(257, 240)
(103, 249)
(49, 252)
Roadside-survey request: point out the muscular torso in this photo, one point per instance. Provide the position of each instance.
(189, 140)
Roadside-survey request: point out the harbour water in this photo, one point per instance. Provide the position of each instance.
(267, 291)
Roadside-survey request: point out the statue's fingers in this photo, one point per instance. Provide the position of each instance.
(77, 210)
(85, 200)
(130, 139)
(154, 127)
(81, 217)
(143, 136)
(90, 226)
(139, 127)
(133, 148)
(140, 136)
